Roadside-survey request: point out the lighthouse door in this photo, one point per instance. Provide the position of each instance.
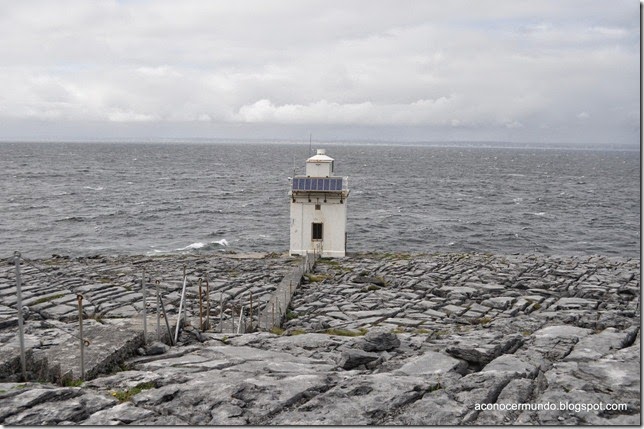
(317, 235)
(317, 231)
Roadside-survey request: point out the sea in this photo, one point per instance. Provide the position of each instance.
(87, 199)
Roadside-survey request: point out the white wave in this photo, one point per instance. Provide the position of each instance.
(517, 200)
(97, 188)
(539, 214)
(200, 245)
(194, 246)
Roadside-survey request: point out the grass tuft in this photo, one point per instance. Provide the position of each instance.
(72, 383)
(276, 330)
(316, 278)
(126, 395)
(346, 332)
(48, 298)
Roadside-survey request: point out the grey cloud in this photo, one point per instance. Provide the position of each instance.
(459, 69)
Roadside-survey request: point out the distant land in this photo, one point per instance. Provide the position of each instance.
(343, 142)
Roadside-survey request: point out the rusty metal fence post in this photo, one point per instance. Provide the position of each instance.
(21, 329)
(200, 305)
(251, 311)
(145, 315)
(158, 311)
(207, 304)
(79, 298)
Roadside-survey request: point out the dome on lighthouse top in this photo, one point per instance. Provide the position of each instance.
(321, 156)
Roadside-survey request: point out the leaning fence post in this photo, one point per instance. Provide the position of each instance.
(158, 311)
(251, 310)
(183, 294)
(241, 313)
(79, 298)
(21, 329)
(165, 316)
(221, 311)
(145, 315)
(273, 311)
(200, 306)
(207, 303)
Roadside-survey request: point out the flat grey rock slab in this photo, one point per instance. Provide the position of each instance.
(124, 413)
(431, 363)
(482, 348)
(595, 346)
(109, 345)
(436, 408)
(363, 314)
(510, 364)
(359, 400)
(575, 303)
(561, 331)
(67, 411)
(453, 309)
(353, 358)
(500, 302)
(379, 340)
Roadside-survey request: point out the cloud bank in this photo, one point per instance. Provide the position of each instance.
(489, 70)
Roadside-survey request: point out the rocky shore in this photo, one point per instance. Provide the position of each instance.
(379, 339)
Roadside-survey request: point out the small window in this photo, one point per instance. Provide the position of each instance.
(317, 231)
(317, 207)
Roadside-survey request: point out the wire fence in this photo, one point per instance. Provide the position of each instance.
(238, 314)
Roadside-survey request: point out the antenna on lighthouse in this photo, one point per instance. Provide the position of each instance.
(310, 147)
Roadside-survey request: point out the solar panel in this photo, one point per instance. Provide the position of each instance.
(317, 184)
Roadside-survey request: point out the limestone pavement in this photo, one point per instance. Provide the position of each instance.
(380, 339)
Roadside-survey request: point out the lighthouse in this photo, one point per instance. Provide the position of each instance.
(319, 209)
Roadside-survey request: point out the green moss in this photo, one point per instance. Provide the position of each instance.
(397, 256)
(482, 321)
(334, 265)
(316, 278)
(421, 331)
(382, 280)
(290, 315)
(126, 395)
(329, 262)
(373, 287)
(48, 298)
(276, 330)
(72, 383)
(435, 387)
(297, 332)
(440, 334)
(346, 332)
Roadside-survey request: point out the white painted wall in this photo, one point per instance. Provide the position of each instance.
(332, 214)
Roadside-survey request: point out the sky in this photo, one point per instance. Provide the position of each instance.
(545, 71)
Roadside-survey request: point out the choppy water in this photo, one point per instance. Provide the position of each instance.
(82, 199)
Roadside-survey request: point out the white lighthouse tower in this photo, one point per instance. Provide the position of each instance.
(319, 209)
